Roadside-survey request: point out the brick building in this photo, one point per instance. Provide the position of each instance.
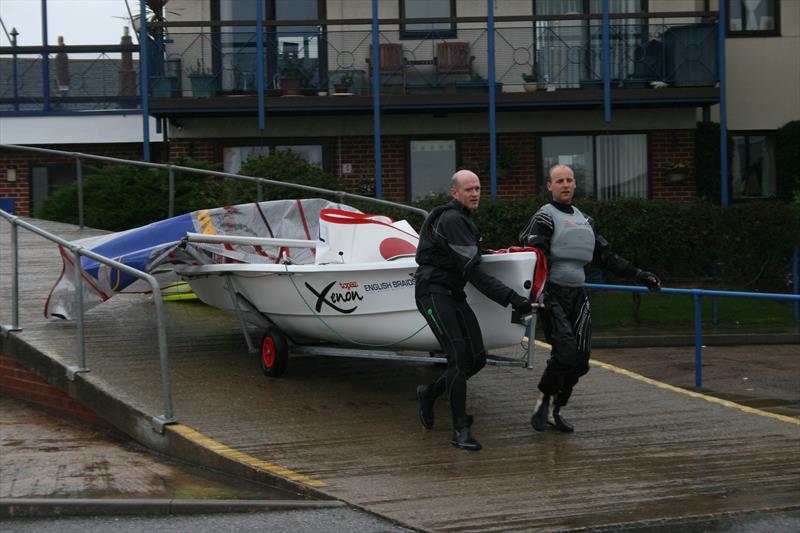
(435, 113)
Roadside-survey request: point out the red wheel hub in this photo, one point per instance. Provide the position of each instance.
(268, 352)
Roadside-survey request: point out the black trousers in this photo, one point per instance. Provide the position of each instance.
(567, 325)
(457, 330)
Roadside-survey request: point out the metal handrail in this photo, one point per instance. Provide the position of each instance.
(697, 295)
(159, 421)
(172, 168)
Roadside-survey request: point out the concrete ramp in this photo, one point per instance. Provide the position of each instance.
(642, 451)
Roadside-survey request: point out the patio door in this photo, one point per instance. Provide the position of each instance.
(283, 44)
(296, 46)
(569, 52)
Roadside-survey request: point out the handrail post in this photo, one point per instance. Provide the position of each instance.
(14, 326)
(78, 282)
(698, 342)
(259, 192)
(166, 382)
(171, 206)
(79, 178)
(14, 275)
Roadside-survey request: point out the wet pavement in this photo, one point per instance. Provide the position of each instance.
(42, 455)
(643, 453)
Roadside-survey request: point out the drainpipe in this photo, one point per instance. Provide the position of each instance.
(492, 100)
(376, 98)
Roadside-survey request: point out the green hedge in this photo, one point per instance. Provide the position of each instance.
(751, 242)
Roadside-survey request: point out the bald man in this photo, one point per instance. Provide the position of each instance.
(449, 256)
(568, 240)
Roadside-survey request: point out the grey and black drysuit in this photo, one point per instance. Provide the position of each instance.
(449, 256)
(568, 240)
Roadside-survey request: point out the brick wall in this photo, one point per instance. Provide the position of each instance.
(518, 180)
(18, 382)
(666, 148)
(359, 152)
(24, 160)
(197, 149)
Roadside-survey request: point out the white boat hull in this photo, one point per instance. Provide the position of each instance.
(365, 305)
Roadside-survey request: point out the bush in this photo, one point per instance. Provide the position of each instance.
(120, 197)
(280, 166)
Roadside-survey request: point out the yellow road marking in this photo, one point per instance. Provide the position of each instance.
(661, 385)
(240, 457)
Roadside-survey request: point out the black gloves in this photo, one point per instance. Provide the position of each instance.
(520, 304)
(648, 279)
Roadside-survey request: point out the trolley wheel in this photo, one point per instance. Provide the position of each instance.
(274, 353)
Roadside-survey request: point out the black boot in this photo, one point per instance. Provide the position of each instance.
(558, 422)
(425, 407)
(462, 438)
(539, 418)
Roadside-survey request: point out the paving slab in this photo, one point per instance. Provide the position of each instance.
(349, 429)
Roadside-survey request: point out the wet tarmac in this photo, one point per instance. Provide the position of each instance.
(45, 455)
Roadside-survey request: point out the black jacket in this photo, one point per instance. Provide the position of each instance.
(449, 255)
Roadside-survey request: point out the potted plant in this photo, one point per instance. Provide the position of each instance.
(530, 82)
(294, 75)
(676, 171)
(164, 86)
(343, 84)
(204, 82)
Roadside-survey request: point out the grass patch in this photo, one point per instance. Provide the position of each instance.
(663, 311)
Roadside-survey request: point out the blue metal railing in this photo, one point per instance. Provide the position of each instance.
(697, 295)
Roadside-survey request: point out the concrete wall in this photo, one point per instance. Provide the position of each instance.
(763, 75)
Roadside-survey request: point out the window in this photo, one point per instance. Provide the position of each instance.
(432, 162)
(233, 157)
(421, 9)
(753, 18)
(45, 180)
(605, 166)
(752, 166)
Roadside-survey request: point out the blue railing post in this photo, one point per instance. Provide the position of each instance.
(606, 64)
(698, 343)
(14, 74)
(723, 107)
(144, 81)
(45, 62)
(260, 64)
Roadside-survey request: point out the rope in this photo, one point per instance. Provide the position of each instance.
(339, 334)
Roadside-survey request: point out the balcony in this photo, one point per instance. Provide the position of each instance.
(213, 68)
(79, 79)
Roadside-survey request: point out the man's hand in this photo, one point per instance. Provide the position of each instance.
(649, 280)
(521, 304)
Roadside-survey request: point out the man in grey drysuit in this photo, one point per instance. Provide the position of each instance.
(568, 240)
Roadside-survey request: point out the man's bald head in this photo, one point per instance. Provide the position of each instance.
(458, 178)
(465, 186)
